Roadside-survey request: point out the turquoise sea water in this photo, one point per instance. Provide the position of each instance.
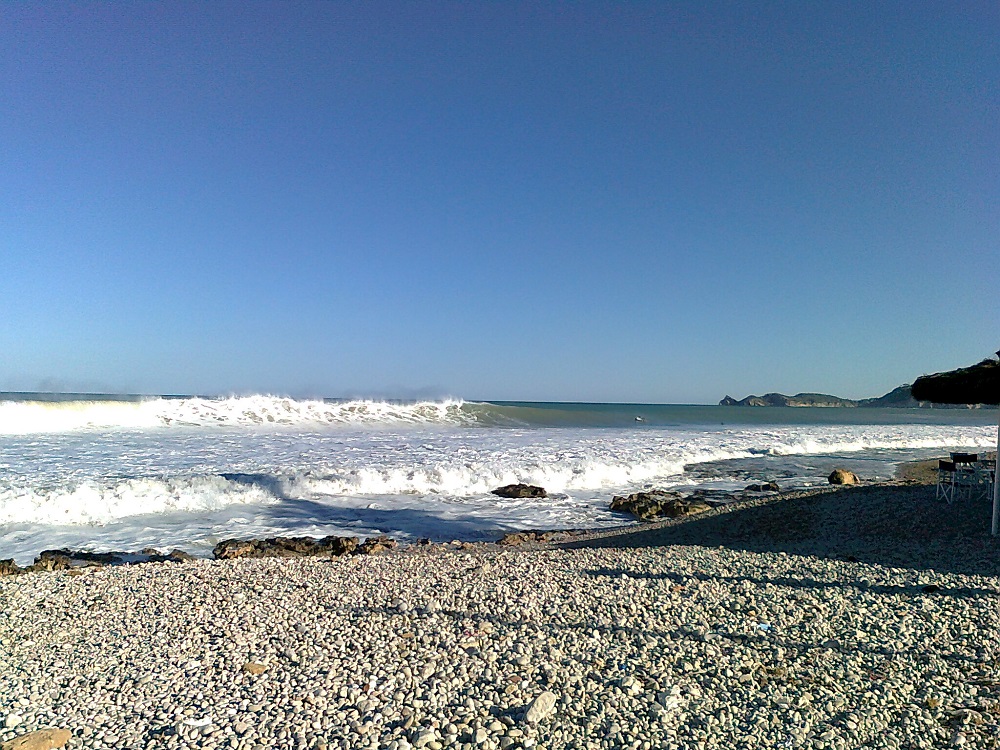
(555, 414)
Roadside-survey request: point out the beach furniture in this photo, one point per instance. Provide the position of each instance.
(965, 476)
(945, 481)
(986, 475)
(979, 384)
(966, 479)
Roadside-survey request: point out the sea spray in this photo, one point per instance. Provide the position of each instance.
(187, 471)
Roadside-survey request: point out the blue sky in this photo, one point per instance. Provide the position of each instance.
(660, 202)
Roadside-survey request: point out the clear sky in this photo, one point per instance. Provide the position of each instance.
(661, 201)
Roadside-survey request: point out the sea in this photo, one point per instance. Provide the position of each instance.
(123, 473)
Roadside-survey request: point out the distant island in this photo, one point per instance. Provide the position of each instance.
(896, 398)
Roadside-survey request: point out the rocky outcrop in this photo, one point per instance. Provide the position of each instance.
(647, 506)
(519, 491)
(375, 544)
(516, 538)
(843, 476)
(300, 546)
(9, 568)
(766, 487)
(75, 560)
(963, 388)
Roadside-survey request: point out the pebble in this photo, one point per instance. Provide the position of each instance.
(12, 720)
(540, 707)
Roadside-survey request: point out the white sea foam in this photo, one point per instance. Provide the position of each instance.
(136, 484)
(96, 502)
(31, 417)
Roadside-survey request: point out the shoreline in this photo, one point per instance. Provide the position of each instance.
(921, 472)
(833, 618)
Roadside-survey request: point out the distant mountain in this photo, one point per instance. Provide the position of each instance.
(898, 397)
(780, 399)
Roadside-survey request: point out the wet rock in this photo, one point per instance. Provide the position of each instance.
(520, 491)
(9, 568)
(647, 506)
(302, 546)
(43, 739)
(843, 476)
(100, 558)
(765, 487)
(374, 545)
(50, 560)
(516, 538)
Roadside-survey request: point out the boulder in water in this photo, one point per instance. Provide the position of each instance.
(519, 491)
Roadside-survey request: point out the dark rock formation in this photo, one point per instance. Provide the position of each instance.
(647, 506)
(99, 558)
(374, 545)
(9, 567)
(74, 560)
(979, 384)
(516, 538)
(52, 559)
(302, 546)
(519, 490)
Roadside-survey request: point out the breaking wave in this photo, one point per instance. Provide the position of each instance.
(27, 417)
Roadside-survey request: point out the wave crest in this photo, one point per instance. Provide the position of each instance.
(26, 417)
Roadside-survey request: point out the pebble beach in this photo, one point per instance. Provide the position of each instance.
(834, 618)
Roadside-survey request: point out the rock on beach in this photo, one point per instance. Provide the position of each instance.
(43, 739)
(843, 476)
(647, 506)
(541, 707)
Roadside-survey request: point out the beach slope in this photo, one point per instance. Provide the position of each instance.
(837, 618)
